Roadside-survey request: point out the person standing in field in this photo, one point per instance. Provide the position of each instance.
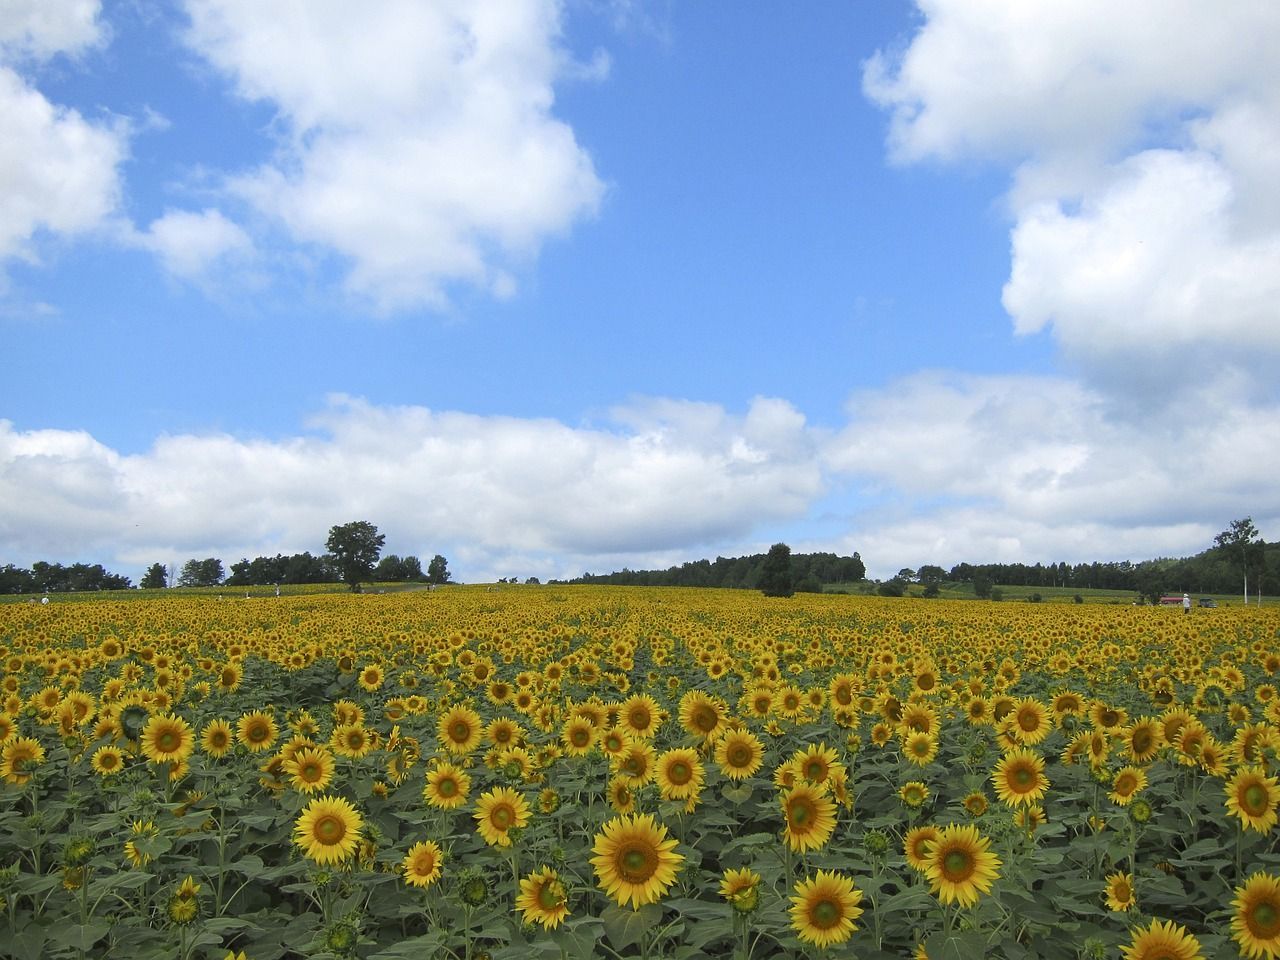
(1186, 603)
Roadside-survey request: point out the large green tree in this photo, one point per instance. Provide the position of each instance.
(1241, 543)
(438, 570)
(201, 573)
(775, 574)
(355, 548)
(155, 577)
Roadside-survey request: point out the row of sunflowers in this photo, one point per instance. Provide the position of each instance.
(582, 772)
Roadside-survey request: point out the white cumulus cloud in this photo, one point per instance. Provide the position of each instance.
(419, 141)
(190, 244)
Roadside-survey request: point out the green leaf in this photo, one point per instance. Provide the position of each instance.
(25, 944)
(626, 927)
(956, 946)
(912, 898)
(80, 936)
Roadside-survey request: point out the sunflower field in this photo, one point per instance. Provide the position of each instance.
(572, 772)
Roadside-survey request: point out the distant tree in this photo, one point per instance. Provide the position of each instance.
(155, 578)
(1240, 542)
(355, 548)
(16, 580)
(532, 580)
(201, 573)
(931, 573)
(438, 570)
(892, 588)
(982, 586)
(809, 584)
(775, 573)
(907, 574)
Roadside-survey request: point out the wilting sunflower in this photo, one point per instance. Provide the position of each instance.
(19, 757)
(679, 774)
(1019, 778)
(1256, 924)
(1162, 940)
(1029, 721)
(916, 843)
(310, 769)
(447, 786)
(107, 761)
(459, 730)
(328, 830)
(1252, 796)
(257, 731)
(1127, 783)
(498, 812)
(739, 754)
(543, 898)
(824, 908)
(640, 715)
(216, 738)
(741, 889)
(422, 864)
(1119, 892)
(960, 865)
(810, 814)
(167, 738)
(635, 861)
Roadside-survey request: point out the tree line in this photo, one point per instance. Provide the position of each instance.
(55, 578)
(808, 572)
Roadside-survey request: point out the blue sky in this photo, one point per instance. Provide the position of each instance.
(550, 287)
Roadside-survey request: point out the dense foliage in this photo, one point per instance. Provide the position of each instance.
(809, 569)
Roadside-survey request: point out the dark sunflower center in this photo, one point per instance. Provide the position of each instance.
(1125, 785)
(705, 719)
(581, 737)
(957, 865)
(680, 773)
(1028, 721)
(167, 741)
(640, 719)
(258, 733)
(1264, 920)
(1141, 741)
(549, 896)
(1023, 777)
(330, 830)
(447, 787)
(800, 812)
(1255, 799)
(425, 863)
(635, 865)
(825, 914)
(502, 817)
(739, 755)
(460, 731)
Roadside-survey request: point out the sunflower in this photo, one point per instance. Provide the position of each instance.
(960, 865)
(1019, 778)
(1252, 796)
(1256, 924)
(216, 738)
(1119, 892)
(741, 889)
(140, 831)
(543, 898)
(578, 736)
(229, 677)
(1127, 782)
(640, 715)
(975, 803)
(498, 812)
(1030, 721)
(351, 740)
(913, 794)
(447, 786)
(1143, 739)
(310, 769)
(635, 763)
(257, 731)
(810, 814)
(635, 861)
(504, 732)
(1162, 940)
(459, 730)
(824, 909)
(19, 757)
(702, 716)
(739, 754)
(107, 761)
(328, 830)
(916, 845)
(167, 738)
(920, 748)
(679, 774)
(621, 797)
(422, 864)
(371, 678)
